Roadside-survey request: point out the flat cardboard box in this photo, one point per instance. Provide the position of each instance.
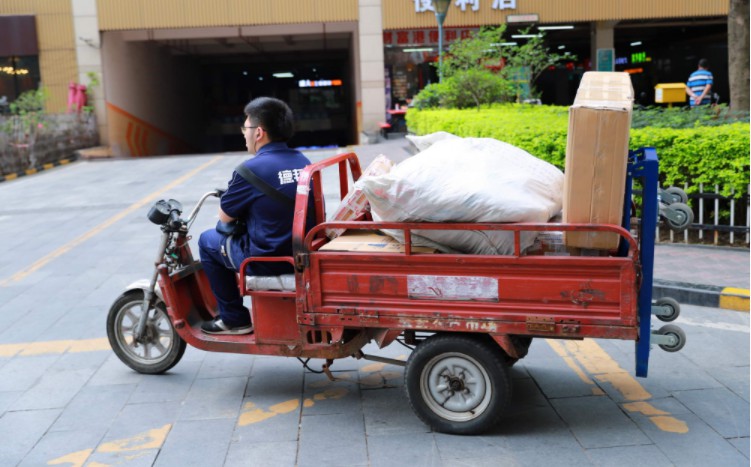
(369, 241)
(596, 157)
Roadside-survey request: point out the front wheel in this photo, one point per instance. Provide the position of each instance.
(457, 384)
(160, 348)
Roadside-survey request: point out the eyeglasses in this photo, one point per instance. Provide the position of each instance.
(243, 128)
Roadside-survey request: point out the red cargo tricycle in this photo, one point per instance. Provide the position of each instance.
(467, 317)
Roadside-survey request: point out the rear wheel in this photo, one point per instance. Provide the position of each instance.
(457, 384)
(160, 348)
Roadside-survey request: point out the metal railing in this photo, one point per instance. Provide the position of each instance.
(718, 220)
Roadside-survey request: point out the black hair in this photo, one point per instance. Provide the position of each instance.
(704, 63)
(273, 115)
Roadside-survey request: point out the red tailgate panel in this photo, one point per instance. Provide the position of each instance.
(595, 291)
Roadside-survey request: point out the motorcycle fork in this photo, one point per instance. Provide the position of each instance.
(148, 296)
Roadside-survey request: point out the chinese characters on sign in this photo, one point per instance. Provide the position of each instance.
(424, 36)
(421, 6)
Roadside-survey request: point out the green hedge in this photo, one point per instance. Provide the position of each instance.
(711, 155)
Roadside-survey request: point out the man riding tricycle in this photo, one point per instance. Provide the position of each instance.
(468, 317)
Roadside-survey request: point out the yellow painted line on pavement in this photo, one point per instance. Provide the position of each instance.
(732, 298)
(595, 364)
(101, 227)
(28, 349)
(127, 448)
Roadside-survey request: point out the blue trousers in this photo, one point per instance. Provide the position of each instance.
(221, 271)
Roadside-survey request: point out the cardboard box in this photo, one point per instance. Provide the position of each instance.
(369, 241)
(596, 157)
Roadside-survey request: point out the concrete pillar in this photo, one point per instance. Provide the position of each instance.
(370, 52)
(89, 57)
(603, 37)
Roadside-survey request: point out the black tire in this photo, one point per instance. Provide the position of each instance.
(677, 195)
(685, 217)
(672, 305)
(675, 331)
(160, 335)
(470, 372)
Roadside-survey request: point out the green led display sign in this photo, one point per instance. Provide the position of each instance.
(640, 57)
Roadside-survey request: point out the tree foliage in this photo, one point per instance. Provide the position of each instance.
(484, 70)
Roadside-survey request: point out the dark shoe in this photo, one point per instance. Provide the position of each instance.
(217, 326)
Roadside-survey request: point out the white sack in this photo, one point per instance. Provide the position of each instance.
(424, 142)
(467, 180)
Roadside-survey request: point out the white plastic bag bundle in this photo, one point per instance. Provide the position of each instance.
(466, 180)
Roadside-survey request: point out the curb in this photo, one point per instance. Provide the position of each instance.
(37, 169)
(713, 296)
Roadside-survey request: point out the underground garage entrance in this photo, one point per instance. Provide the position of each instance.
(170, 92)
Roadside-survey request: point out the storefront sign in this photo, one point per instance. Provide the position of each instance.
(421, 6)
(605, 59)
(318, 83)
(640, 57)
(415, 37)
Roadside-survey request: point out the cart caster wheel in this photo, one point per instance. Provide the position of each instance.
(681, 217)
(160, 349)
(457, 384)
(670, 304)
(676, 195)
(675, 332)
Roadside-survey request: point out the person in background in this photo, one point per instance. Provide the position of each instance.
(699, 85)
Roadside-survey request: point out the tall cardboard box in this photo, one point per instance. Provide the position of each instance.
(596, 157)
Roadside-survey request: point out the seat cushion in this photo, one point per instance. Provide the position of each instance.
(284, 283)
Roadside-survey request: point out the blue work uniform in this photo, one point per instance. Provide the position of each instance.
(268, 228)
(699, 80)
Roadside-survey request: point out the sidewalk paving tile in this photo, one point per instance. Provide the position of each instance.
(414, 450)
(214, 398)
(61, 447)
(742, 444)
(271, 421)
(270, 454)
(700, 447)
(735, 378)
(137, 458)
(7, 398)
(325, 397)
(332, 440)
(93, 408)
(20, 431)
(54, 389)
(113, 371)
(727, 413)
(528, 430)
(387, 412)
(224, 365)
(199, 443)
(573, 456)
(598, 422)
(171, 386)
(135, 419)
(637, 455)
(22, 373)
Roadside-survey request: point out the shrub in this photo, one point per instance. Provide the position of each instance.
(704, 154)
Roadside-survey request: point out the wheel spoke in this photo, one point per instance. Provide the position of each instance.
(162, 349)
(130, 315)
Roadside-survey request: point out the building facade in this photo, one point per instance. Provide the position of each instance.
(175, 74)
